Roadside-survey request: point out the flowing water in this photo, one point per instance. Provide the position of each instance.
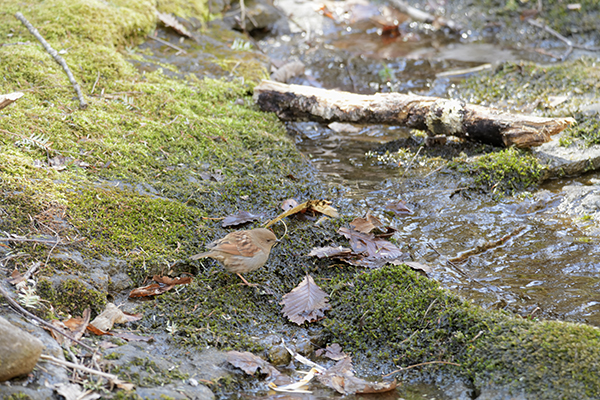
(548, 266)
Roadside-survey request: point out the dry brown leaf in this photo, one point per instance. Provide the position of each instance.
(153, 289)
(341, 378)
(7, 99)
(16, 277)
(78, 325)
(370, 245)
(97, 331)
(240, 218)
(330, 251)
(306, 302)
(417, 266)
(172, 281)
(332, 351)
(398, 207)
(164, 284)
(366, 224)
(320, 206)
(172, 22)
(250, 363)
(112, 315)
(60, 339)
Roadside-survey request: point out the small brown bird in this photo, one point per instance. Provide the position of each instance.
(242, 251)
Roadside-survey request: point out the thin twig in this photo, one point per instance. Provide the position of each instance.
(31, 270)
(419, 365)
(463, 273)
(411, 162)
(57, 57)
(23, 311)
(27, 43)
(58, 240)
(179, 49)
(487, 246)
(79, 367)
(436, 170)
(568, 42)
(95, 83)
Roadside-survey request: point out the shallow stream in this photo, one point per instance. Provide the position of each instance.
(549, 269)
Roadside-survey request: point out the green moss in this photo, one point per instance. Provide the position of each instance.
(570, 23)
(72, 296)
(394, 317)
(502, 172)
(528, 87)
(185, 8)
(17, 396)
(113, 356)
(586, 131)
(145, 372)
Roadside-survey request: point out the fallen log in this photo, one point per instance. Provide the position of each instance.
(435, 115)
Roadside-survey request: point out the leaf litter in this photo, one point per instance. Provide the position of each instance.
(306, 302)
(164, 284)
(310, 206)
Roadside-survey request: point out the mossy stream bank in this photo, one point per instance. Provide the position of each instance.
(132, 186)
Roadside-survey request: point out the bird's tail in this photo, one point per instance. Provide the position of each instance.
(200, 255)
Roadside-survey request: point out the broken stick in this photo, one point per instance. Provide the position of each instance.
(433, 114)
(55, 55)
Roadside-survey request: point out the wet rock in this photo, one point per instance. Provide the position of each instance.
(199, 392)
(567, 161)
(304, 346)
(19, 351)
(99, 280)
(119, 282)
(582, 201)
(259, 15)
(497, 393)
(278, 355)
(160, 370)
(50, 374)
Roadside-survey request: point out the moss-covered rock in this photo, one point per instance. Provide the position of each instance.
(393, 318)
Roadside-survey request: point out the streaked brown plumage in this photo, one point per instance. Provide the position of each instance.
(241, 251)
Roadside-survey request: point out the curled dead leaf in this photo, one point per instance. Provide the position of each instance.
(330, 251)
(112, 315)
(172, 22)
(341, 378)
(320, 206)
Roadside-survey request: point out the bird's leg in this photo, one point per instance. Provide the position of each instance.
(245, 281)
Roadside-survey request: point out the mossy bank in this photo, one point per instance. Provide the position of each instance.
(137, 182)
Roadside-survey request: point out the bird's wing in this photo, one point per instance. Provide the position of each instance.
(236, 243)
